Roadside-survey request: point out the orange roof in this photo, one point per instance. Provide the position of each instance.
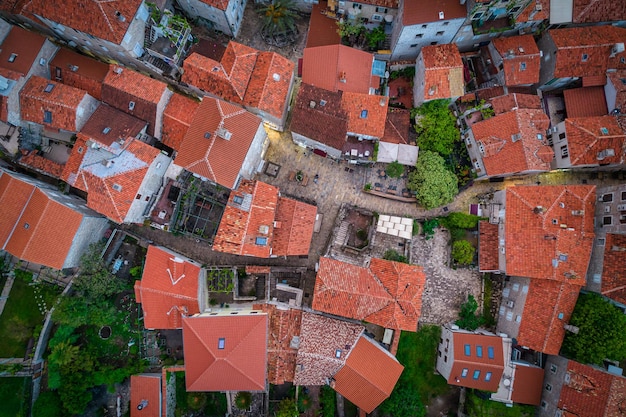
(587, 137)
(320, 356)
(219, 157)
(225, 353)
(387, 293)
(24, 46)
(108, 126)
(474, 356)
(549, 306)
(521, 59)
(293, 227)
(41, 164)
(270, 84)
(584, 51)
(443, 72)
(145, 389)
(513, 142)
(416, 12)
(585, 102)
(367, 113)
(369, 375)
(74, 162)
(61, 102)
(592, 392)
(108, 20)
(613, 271)
(339, 67)
(218, 4)
(597, 11)
(33, 226)
(177, 118)
(284, 325)
(168, 289)
(549, 231)
(79, 71)
(488, 247)
(503, 104)
(247, 225)
(531, 14)
(615, 78)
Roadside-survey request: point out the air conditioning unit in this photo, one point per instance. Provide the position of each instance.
(621, 207)
(510, 303)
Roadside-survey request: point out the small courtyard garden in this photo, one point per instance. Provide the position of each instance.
(207, 404)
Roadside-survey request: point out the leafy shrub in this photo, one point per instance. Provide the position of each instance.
(429, 227)
(394, 169)
(463, 252)
(468, 319)
(392, 255)
(361, 234)
(243, 400)
(327, 401)
(460, 220)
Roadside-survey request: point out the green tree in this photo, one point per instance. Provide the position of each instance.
(48, 404)
(436, 127)
(463, 252)
(243, 400)
(394, 169)
(278, 17)
(468, 319)
(433, 183)
(460, 220)
(94, 280)
(287, 408)
(403, 402)
(375, 36)
(602, 327)
(328, 401)
(392, 255)
(350, 29)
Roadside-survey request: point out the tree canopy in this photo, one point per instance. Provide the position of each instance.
(468, 319)
(394, 169)
(433, 183)
(94, 280)
(460, 220)
(436, 127)
(463, 252)
(403, 403)
(602, 327)
(278, 17)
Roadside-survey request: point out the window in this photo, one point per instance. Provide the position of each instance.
(424, 26)
(106, 130)
(363, 114)
(147, 198)
(479, 351)
(47, 116)
(607, 220)
(433, 43)
(49, 88)
(564, 151)
(138, 197)
(80, 149)
(604, 130)
(490, 352)
(468, 350)
(381, 10)
(607, 198)
(12, 57)
(518, 319)
(261, 241)
(548, 387)
(419, 35)
(623, 195)
(476, 374)
(221, 343)
(414, 45)
(117, 187)
(446, 23)
(440, 33)
(516, 287)
(522, 66)
(131, 105)
(338, 353)
(464, 372)
(356, 6)
(544, 405)
(584, 58)
(553, 368)
(597, 278)
(445, 358)
(238, 199)
(509, 316)
(488, 376)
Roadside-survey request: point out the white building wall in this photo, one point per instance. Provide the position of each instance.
(158, 124)
(560, 147)
(85, 109)
(368, 11)
(610, 93)
(227, 21)
(409, 40)
(418, 81)
(445, 353)
(150, 185)
(255, 154)
(91, 229)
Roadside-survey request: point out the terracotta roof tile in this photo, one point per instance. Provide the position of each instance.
(592, 42)
(613, 271)
(14, 195)
(472, 362)
(216, 158)
(369, 375)
(326, 66)
(41, 164)
(284, 325)
(527, 385)
(511, 143)
(104, 19)
(145, 387)
(25, 45)
(549, 231)
(398, 127)
(247, 225)
(168, 289)
(240, 365)
(503, 104)
(320, 356)
(587, 137)
(615, 78)
(177, 118)
(322, 29)
(293, 227)
(270, 84)
(218, 4)
(387, 293)
(531, 14)
(74, 162)
(488, 246)
(591, 392)
(366, 113)
(62, 102)
(416, 12)
(596, 11)
(123, 86)
(549, 306)
(585, 102)
(521, 59)
(107, 126)
(443, 72)
(79, 71)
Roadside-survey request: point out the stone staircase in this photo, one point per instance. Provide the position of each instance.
(342, 234)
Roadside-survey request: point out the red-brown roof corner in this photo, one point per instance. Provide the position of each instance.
(527, 385)
(366, 113)
(505, 103)
(613, 271)
(427, 12)
(293, 227)
(488, 247)
(521, 59)
(398, 127)
(76, 70)
(270, 84)
(145, 395)
(134, 84)
(177, 118)
(19, 50)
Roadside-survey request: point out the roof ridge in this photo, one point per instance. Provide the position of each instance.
(243, 340)
(38, 222)
(293, 221)
(99, 3)
(56, 103)
(22, 212)
(267, 75)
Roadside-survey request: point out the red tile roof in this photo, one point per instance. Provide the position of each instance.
(320, 356)
(33, 226)
(326, 66)
(104, 19)
(416, 12)
(62, 102)
(549, 231)
(521, 59)
(74, 162)
(293, 227)
(76, 70)
(591, 392)
(469, 364)
(25, 45)
(145, 387)
(284, 325)
(244, 223)
(177, 118)
(270, 84)
(41, 164)
(218, 4)
(613, 271)
(596, 11)
(615, 78)
(398, 127)
(587, 137)
(168, 289)
(107, 126)
(369, 375)
(488, 247)
(511, 144)
(322, 29)
(531, 14)
(503, 104)
(585, 102)
(527, 385)
(443, 72)
(387, 293)
(549, 306)
(217, 158)
(242, 362)
(372, 106)
(595, 42)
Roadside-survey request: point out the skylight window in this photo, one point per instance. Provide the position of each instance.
(47, 116)
(238, 199)
(476, 374)
(221, 343)
(604, 130)
(338, 353)
(261, 241)
(479, 351)
(488, 376)
(468, 350)
(106, 130)
(585, 57)
(522, 66)
(490, 352)
(12, 57)
(464, 372)
(49, 88)
(363, 114)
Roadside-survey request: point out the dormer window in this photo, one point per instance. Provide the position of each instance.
(106, 130)
(12, 57)
(238, 199)
(117, 187)
(47, 116)
(49, 88)
(261, 241)
(585, 57)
